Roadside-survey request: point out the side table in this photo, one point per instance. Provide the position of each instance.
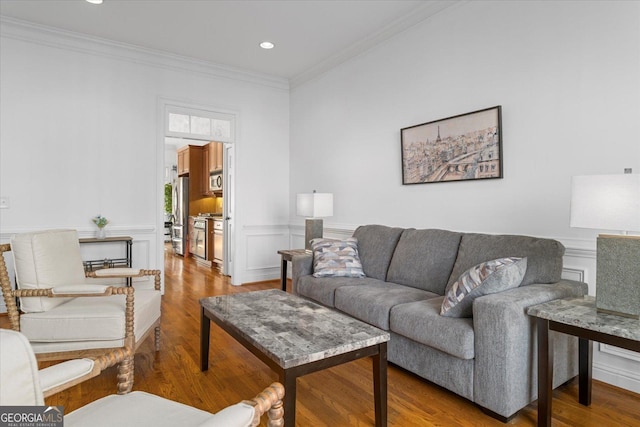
(117, 262)
(287, 255)
(578, 317)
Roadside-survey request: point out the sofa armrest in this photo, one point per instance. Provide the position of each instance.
(301, 265)
(506, 348)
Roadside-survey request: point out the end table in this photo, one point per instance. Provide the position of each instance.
(578, 317)
(287, 255)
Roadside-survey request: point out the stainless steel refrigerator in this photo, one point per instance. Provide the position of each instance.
(180, 214)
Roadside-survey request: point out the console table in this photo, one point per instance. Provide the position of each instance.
(97, 264)
(578, 317)
(287, 255)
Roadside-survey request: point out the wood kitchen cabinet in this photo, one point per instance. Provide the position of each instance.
(206, 158)
(215, 156)
(212, 156)
(219, 155)
(191, 163)
(183, 160)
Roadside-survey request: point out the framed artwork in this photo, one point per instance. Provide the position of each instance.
(459, 148)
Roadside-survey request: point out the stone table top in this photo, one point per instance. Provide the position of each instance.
(291, 330)
(582, 313)
(289, 253)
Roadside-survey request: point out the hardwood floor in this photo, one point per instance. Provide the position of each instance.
(340, 396)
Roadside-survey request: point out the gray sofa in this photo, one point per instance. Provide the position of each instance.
(489, 358)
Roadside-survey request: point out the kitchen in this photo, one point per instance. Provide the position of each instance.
(198, 204)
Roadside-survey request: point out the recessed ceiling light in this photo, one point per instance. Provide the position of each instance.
(267, 45)
(94, 1)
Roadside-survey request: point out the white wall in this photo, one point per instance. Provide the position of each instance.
(81, 135)
(567, 75)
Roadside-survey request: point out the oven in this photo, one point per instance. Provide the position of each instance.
(199, 241)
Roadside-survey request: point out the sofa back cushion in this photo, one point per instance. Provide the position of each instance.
(424, 259)
(544, 256)
(376, 244)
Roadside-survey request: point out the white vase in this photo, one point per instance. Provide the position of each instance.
(101, 233)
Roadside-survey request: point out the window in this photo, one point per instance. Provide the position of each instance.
(197, 124)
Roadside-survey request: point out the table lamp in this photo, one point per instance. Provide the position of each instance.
(314, 206)
(612, 202)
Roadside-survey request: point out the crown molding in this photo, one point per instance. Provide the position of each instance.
(53, 37)
(415, 16)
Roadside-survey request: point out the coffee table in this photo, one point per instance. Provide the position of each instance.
(295, 337)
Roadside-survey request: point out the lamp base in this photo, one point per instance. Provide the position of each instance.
(312, 230)
(618, 275)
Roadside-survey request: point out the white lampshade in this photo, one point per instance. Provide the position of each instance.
(314, 205)
(606, 202)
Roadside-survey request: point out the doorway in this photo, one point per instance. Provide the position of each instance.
(198, 126)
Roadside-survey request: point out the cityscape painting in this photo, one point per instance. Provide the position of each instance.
(459, 148)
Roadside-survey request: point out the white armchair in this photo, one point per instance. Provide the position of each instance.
(66, 314)
(21, 384)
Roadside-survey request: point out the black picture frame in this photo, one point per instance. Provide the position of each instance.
(458, 148)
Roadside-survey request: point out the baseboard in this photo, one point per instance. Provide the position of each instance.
(261, 275)
(623, 378)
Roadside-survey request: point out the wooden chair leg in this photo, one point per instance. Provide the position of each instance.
(125, 375)
(269, 401)
(157, 338)
(276, 415)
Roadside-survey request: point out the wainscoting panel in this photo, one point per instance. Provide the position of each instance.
(621, 352)
(263, 244)
(573, 274)
(296, 239)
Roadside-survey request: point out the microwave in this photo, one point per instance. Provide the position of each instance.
(215, 181)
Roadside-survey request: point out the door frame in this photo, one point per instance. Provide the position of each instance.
(228, 206)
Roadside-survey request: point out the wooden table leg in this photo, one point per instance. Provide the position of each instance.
(380, 384)
(288, 380)
(545, 373)
(205, 330)
(585, 354)
(283, 274)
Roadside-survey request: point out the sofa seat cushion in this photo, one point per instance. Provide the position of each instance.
(376, 244)
(372, 303)
(92, 318)
(421, 321)
(424, 259)
(544, 256)
(322, 289)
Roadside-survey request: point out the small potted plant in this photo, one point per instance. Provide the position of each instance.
(101, 222)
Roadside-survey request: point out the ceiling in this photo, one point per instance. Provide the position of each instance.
(310, 36)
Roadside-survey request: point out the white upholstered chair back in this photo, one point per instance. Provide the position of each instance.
(46, 259)
(20, 384)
